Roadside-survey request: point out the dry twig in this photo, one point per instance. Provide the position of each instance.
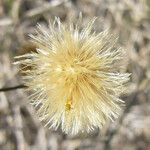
(43, 9)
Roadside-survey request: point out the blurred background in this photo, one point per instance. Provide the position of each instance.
(129, 19)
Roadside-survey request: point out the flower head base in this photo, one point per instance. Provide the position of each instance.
(74, 77)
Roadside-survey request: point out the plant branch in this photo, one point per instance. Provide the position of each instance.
(5, 89)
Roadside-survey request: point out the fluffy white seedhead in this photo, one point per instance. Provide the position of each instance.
(74, 76)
